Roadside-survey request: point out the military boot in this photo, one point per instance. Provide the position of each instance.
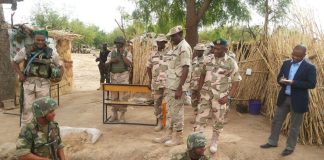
(159, 126)
(122, 117)
(214, 145)
(114, 117)
(193, 120)
(167, 135)
(177, 139)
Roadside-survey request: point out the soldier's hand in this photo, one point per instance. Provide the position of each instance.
(178, 93)
(114, 60)
(223, 100)
(22, 78)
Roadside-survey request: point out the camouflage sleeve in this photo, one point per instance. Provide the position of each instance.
(60, 144)
(149, 62)
(56, 58)
(185, 59)
(20, 56)
(24, 142)
(235, 76)
(129, 56)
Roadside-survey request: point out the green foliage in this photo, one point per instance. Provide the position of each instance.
(163, 14)
(278, 8)
(231, 33)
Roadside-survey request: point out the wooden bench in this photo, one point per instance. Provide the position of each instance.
(130, 88)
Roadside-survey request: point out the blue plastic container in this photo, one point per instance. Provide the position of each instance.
(254, 107)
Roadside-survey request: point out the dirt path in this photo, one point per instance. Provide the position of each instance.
(240, 140)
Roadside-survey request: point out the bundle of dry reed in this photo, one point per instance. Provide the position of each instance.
(142, 50)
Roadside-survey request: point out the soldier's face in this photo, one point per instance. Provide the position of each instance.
(119, 45)
(161, 44)
(39, 41)
(200, 151)
(219, 50)
(50, 116)
(175, 38)
(199, 53)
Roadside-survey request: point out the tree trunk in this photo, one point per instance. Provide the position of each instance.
(191, 23)
(266, 20)
(7, 75)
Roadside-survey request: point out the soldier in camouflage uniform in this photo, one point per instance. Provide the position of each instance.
(39, 59)
(197, 64)
(177, 83)
(218, 70)
(120, 62)
(196, 143)
(156, 70)
(40, 139)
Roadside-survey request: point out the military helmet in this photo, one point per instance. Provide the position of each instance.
(42, 106)
(196, 139)
(119, 39)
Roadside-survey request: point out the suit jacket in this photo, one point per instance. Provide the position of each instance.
(305, 78)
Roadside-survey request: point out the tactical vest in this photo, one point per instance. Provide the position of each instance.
(120, 66)
(40, 65)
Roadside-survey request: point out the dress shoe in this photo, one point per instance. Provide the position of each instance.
(287, 152)
(267, 145)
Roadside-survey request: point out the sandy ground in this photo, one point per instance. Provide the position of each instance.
(239, 141)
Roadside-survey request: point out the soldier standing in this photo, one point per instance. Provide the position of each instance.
(120, 61)
(40, 139)
(197, 64)
(156, 70)
(103, 69)
(218, 68)
(196, 143)
(178, 81)
(42, 64)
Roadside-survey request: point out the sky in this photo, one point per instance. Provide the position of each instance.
(104, 12)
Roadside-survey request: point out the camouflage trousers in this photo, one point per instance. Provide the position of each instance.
(34, 87)
(194, 99)
(175, 115)
(119, 78)
(158, 97)
(209, 106)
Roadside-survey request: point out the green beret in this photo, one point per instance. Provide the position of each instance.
(220, 41)
(40, 32)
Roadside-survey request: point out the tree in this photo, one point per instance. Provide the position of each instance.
(272, 11)
(192, 13)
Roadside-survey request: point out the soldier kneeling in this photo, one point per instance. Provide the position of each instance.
(40, 139)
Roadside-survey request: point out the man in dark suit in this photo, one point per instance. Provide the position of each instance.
(296, 76)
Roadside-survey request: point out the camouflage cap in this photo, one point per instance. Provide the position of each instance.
(200, 47)
(196, 139)
(220, 41)
(42, 106)
(119, 39)
(161, 38)
(175, 30)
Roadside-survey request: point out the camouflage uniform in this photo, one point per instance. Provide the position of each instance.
(195, 140)
(216, 86)
(35, 138)
(179, 56)
(34, 87)
(158, 63)
(119, 78)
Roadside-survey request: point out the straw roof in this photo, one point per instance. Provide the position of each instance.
(63, 35)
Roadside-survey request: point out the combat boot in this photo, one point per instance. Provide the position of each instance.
(214, 145)
(193, 120)
(159, 126)
(177, 139)
(122, 117)
(167, 135)
(114, 117)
